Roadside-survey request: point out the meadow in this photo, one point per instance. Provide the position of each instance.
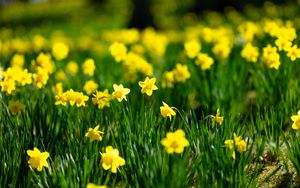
(204, 101)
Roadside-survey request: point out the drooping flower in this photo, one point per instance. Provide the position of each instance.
(37, 159)
(111, 159)
(94, 134)
(166, 111)
(296, 121)
(175, 142)
(148, 86)
(120, 92)
(217, 118)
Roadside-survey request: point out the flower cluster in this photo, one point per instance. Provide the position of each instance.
(71, 97)
(237, 143)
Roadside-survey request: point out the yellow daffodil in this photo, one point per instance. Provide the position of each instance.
(250, 53)
(94, 134)
(89, 67)
(120, 92)
(217, 118)
(90, 87)
(175, 142)
(41, 77)
(192, 48)
(102, 99)
(111, 159)
(72, 68)
(181, 73)
(204, 61)
(296, 120)
(91, 185)
(60, 50)
(238, 143)
(118, 51)
(166, 111)
(37, 159)
(148, 86)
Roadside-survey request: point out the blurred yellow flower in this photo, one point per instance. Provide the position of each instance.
(102, 99)
(72, 68)
(15, 107)
(181, 73)
(8, 86)
(250, 53)
(25, 77)
(204, 61)
(148, 86)
(94, 134)
(120, 92)
(192, 48)
(296, 121)
(89, 67)
(91, 185)
(175, 141)
(45, 61)
(90, 87)
(17, 60)
(60, 50)
(168, 79)
(60, 76)
(118, 51)
(37, 159)
(166, 111)
(111, 159)
(293, 52)
(41, 77)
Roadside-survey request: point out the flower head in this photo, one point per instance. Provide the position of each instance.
(94, 134)
(219, 119)
(118, 51)
(111, 159)
(148, 86)
(181, 73)
(90, 87)
(37, 159)
(166, 111)
(120, 92)
(91, 185)
(60, 50)
(102, 99)
(89, 67)
(175, 141)
(296, 120)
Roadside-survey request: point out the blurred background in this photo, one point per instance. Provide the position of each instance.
(159, 14)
